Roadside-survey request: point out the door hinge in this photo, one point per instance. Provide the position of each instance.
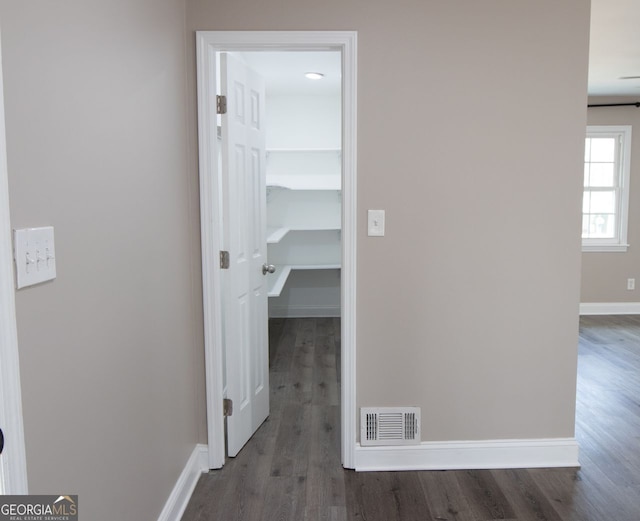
(221, 104)
(224, 260)
(227, 407)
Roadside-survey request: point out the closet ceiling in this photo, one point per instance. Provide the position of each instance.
(614, 51)
(284, 71)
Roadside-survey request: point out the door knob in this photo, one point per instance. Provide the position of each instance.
(268, 268)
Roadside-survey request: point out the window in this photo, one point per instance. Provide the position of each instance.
(605, 201)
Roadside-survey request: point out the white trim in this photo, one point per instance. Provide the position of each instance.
(208, 43)
(13, 470)
(610, 308)
(619, 248)
(619, 243)
(176, 504)
(349, 247)
(491, 454)
(210, 243)
(302, 311)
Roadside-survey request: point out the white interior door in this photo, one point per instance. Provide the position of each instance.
(246, 338)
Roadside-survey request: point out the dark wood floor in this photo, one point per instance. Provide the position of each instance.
(291, 470)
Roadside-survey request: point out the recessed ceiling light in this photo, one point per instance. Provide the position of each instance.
(314, 75)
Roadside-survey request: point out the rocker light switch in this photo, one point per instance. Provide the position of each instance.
(35, 256)
(376, 223)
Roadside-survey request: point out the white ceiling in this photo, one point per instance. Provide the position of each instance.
(614, 48)
(284, 71)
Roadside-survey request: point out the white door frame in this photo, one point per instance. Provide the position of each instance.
(13, 471)
(208, 44)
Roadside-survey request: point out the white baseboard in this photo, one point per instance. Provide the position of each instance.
(197, 464)
(303, 311)
(491, 454)
(610, 308)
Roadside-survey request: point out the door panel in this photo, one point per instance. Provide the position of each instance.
(243, 162)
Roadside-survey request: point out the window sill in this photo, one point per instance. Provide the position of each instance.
(620, 248)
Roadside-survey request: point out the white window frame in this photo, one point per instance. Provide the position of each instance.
(618, 243)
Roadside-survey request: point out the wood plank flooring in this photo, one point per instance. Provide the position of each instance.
(290, 469)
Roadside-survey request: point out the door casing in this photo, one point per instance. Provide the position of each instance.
(208, 45)
(13, 466)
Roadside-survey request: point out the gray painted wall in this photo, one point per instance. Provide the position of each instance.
(111, 351)
(475, 319)
(469, 306)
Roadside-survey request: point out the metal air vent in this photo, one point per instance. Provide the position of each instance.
(389, 425)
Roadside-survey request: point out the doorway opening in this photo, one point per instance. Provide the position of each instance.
(212, 189)
(303, 179)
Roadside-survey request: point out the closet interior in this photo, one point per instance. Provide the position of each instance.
(303, 176)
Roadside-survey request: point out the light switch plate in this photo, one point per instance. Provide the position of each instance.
(376, 223)
(35, 256)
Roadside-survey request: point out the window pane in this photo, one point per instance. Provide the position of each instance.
(603, 202)
(587, 149)
(600, 226)
(586, 174)
(601, 174)
(585, 226)
(603, 149)
(586, 202)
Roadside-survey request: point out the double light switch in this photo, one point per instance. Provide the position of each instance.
(35, 255)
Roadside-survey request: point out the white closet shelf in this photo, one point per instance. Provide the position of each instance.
(278, 150)
(275, 235)
(277, 280)
(316, 266)
(305, 182)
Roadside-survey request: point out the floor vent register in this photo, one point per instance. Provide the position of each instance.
(389, 426)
